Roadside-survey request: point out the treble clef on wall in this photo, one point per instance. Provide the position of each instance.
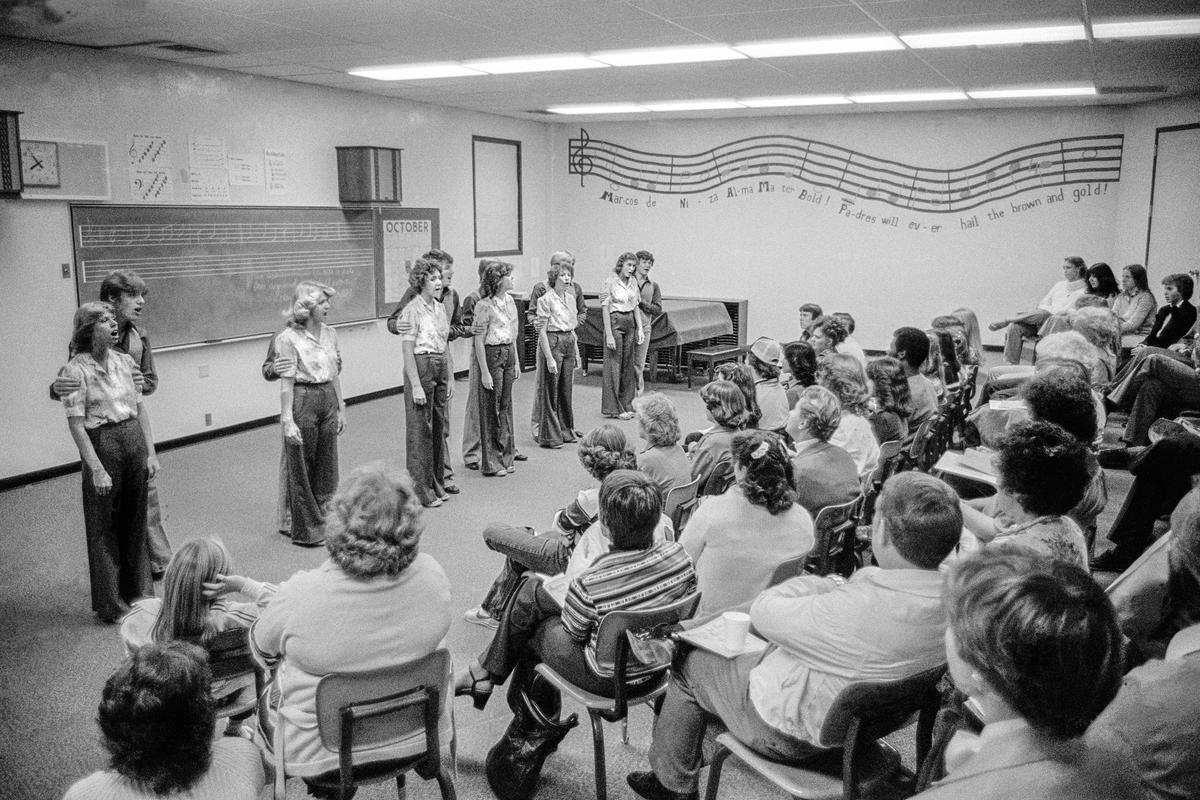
(581, 163)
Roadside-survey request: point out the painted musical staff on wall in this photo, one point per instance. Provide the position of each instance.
(1057, 162)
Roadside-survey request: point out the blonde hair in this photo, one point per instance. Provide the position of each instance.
(186, 613)
(305, 298)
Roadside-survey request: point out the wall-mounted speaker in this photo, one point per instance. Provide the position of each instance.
(369, 175)
(10, 154)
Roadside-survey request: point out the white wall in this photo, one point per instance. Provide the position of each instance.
(77, 94)
(780, 251)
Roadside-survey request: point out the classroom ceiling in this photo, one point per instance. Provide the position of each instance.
(319, 41)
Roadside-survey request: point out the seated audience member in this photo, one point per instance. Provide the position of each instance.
(911, 347)
(741, 376)
(1100, 327)
(841, 374)
(636, 573)
(809, 314)
(736, 540)
(375, 602)
(725, 406)
(949, 368)
(932, 368)
(765, 359)
(1042, 474)
(658, 425)
(850, 345)
(1177, 315)
(1134, 306)
(828, 334)
(1149, 729)
(1163, 473)
(1061, 397)
(1033, 642)
(156, 722)
(1102, 282)
(823, 474)
(1004, 381)
(958, 333)
(1161, 385)
(603, 450)
(802, 368)
(1057, 301)
(970, 324)
(884, 623)
(890, 401)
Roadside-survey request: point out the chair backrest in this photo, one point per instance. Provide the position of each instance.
(679, 503)
(720, 477)
(918, 451)
(787, 570)
(229, 654)
(834, 530)
(891, 460)
(612, 644)
(868, 710)
(383, 706)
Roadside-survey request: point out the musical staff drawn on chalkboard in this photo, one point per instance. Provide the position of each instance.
(1058, 162)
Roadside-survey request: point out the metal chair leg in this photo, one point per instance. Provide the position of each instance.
(598, 750)
(714, 771)
(446, 786)
(401, 789)
(625, 730)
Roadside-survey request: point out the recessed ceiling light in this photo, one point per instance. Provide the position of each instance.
(667, 55)
(414, 72)
(1044, 91)
(1051, 33)
(692, 105)
(598, 108)
(509, 66)
(1180, 26)
(907, 97)
(820, 46)
(801, 100)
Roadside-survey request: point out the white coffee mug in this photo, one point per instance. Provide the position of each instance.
(737, 625)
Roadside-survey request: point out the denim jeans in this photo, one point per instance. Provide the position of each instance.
(524, 550)
(555, 423)
(424, 427)
(497, 446)
(620, 371)
(313, 464)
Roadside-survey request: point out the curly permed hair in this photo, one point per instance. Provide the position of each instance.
(843, 375)
(421, 271)
(373, 525)
(769, 475)
(156, 717)
(891, 386)
(833, 328)
(491, 274)
(741, 376)
(657, 418)
(726, 402)
(1043, 467)
(1061, 395)
(818, 411)
(605, 449)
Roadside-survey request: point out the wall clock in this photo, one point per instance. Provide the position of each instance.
(39, 163)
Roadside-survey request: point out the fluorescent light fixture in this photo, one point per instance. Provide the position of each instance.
(415, 72)
(692, 105)
(598, 108)
(509, 66)
(667, 55)
(1179, 26)
(820, 46)
(907, 97)
(1044, 91)
(983, 38)
(800, 100)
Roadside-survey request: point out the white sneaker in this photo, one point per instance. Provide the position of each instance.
(477, 616)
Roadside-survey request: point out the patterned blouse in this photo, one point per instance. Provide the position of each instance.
(559, 314)
(1054, 536)
(106, 392)
(620, 295)
(499, 315)
(317, 357)
(429, 327)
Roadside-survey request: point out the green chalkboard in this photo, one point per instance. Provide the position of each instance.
(228, 272)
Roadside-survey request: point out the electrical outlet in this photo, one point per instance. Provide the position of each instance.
(204, 370)
(66, 269)
(207, 420)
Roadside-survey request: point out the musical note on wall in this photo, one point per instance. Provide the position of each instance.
(1057, 162)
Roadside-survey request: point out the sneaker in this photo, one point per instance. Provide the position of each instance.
(477, 616)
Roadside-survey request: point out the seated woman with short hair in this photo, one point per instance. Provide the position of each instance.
(1042, 472)
(724, 405)
(736, 540)
(636, 574)
(156, 721)
(844, 376)
(1034, 644)
(658, 425)
(823, 474)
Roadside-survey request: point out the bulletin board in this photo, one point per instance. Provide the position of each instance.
(496, 175)
(405, 234)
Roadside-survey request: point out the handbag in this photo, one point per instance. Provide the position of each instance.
(515, 762)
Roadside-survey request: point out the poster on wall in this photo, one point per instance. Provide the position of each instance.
(405, 234)
(836, 180)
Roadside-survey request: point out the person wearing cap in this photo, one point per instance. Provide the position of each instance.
(765, 360)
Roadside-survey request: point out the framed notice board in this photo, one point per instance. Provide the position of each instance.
(405, 234)
(226, 272)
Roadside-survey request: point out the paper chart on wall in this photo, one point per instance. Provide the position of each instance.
(151, 185)
(245, 171)
(277, 172)
(149, 150)
(209, 184)
(206, 152)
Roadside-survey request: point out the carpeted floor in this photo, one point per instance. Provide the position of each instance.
(54, 659)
